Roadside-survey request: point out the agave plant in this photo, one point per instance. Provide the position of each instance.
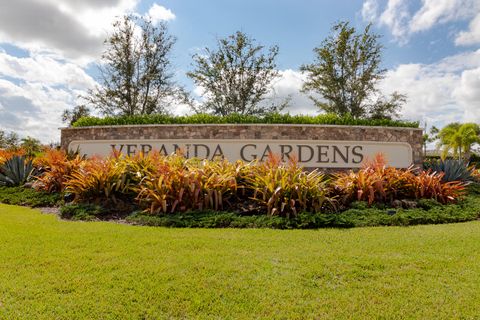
(15, 171)
(453, 170)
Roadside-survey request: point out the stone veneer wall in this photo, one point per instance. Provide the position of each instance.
(413, 136)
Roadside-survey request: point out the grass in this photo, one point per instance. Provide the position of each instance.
(53, 269)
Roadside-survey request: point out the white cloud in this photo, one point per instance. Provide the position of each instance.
(472, 35)
(396, 17)
(73, 29)
(34, 92)
(288, 86)
(44, 69)
(370, 10)
(34, 109)
(434, 12)
(403, 23)
(159, 13)
(441, 92)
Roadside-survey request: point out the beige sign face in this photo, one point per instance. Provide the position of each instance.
(308, 153)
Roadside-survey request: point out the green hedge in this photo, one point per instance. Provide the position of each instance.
(21, 196)
(274, 118)
(428, 212)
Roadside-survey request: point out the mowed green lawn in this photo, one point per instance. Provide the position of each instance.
(52, 269)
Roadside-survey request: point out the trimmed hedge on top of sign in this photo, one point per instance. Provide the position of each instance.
(273, 118)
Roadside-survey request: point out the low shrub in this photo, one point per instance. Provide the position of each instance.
(429, 212)
(6, 154)
(373, 183)
(430, 185)
(86, 212)
(21, 196)
(273, 118)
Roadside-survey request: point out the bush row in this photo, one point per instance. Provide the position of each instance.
(274, 118)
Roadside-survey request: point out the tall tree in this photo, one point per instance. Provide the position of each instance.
(71, 116)
(8, 140)
(31, 146)
(458, 139)
(135, 74)
(236, 76)
(343, 78)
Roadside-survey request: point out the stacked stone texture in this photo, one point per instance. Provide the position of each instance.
(412, 136)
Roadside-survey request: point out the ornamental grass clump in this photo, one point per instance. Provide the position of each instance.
(285, 189)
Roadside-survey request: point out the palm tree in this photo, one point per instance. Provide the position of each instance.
(458, 139)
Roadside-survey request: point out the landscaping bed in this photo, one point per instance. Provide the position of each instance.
(173, 191)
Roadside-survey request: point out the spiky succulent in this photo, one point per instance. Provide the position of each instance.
(15, 171)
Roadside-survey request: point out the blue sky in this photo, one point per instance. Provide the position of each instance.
(49, 50)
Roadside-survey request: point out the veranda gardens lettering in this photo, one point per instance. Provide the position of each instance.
(302, 152)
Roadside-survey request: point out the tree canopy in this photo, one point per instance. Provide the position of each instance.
(136, 72)
(458, 139)
(236, 76)
(344, 77)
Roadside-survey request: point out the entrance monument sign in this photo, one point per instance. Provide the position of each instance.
(313, 146)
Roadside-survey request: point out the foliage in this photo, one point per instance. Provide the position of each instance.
(236, 76)
(98, 180)
(271, 118)
(21, 196)
(136, 73)
(180, 185)
(459, 139)
(346, 72)
(285, 189)
(72, 116)
(8, 140)
(430, 185)
(453, 170)
(86, 212)
(15, 171)
(6, 154)
(377, 183)
(429, 212)
(54, 169)
(31, 146)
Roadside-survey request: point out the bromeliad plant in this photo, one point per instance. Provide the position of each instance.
(100, 181)
(377, 183)
(430, 185)
(285, 189)
(180, 185)
(54, 168)
(374, 182)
